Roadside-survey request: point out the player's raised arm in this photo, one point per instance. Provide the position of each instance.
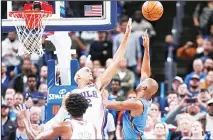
(105, 79)
(145, 70)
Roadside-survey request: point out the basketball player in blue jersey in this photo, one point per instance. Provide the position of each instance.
(136, 110)
(90, 88)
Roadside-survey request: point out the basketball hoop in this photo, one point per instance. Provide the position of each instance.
(30, 25)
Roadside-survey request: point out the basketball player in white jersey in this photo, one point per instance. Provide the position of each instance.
(90, 89)
(75, 128)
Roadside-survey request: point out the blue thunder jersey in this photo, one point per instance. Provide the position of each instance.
(133, 127)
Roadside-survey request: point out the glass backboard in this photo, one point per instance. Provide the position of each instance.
(69, 15)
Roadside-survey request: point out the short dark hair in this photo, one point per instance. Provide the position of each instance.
(204, 90)
(31, 75)
(116, 79)
(173, 92)
(76, 105)
(123, 19)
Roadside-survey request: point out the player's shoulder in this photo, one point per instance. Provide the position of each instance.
(62, 126)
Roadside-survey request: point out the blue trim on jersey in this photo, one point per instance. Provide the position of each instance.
(105, 122)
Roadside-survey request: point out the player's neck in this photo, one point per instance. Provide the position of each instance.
(144, 96)
(77, 118)
(82, 85)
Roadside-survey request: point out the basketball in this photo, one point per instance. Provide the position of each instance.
(152, 10)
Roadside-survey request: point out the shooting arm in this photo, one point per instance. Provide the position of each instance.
(122, 48)
(105, 79)
(125, 105)
(145, 70)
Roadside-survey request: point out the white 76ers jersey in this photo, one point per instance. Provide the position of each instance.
(96, 112)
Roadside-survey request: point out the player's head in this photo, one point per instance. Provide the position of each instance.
(83, 75)
(76, 105)
(147, 88)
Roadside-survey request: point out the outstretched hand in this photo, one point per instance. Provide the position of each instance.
(145, 38)
(128, 28)
(23, 112)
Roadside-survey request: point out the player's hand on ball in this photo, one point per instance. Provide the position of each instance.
(145, 38)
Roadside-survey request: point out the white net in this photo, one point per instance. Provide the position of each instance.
(30, 27)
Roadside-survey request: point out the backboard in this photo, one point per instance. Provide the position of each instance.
(70, 15)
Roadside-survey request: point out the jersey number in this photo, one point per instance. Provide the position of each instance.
(90, 102)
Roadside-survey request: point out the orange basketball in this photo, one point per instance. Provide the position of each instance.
(152, 10)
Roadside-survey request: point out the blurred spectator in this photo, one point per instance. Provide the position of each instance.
(18, 99)
(202, 16)
(126, 77)
(197, 131)
(198, 68)
(98, 72)
(101, 49)
(172, 96)
(9, 99)
(199, 43)
(182, 90)
(109, 130)
(208, 81)
(43, 89)
(207, 52)
(194, 85)
(19, 83)
(148, 132)
(20, 133)
(184, 129)
(96, 64)
(34, 69)
(9, 52)
(133, 48)
(78, 44)
(208, 65)
(5, 79)
(35, 115)
(154, 112)
(89, 36)
(176, 82)
(170, 46)
(207, 120)
(10, 91)
(139, 25)
(194, 110)
(187, 52)
(119, 127)
(32, 89)
(115, 92)
(204, 95)
(7, 126)
(160, 131)
(172, 105)
(43, 75)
